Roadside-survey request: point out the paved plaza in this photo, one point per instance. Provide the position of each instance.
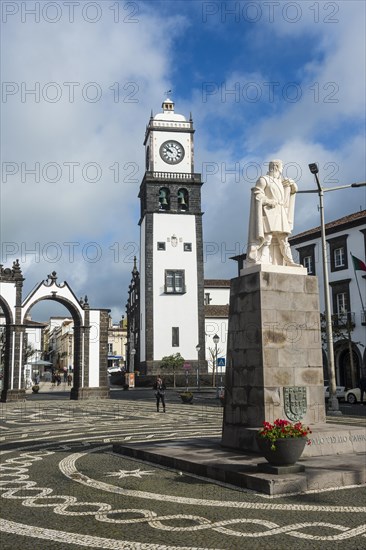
(63, 487)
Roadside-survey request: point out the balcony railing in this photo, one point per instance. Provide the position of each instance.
(344, 320)
(179, 176)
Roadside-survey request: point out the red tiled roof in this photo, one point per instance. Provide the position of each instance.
(212, 283)
(332, 227)
(217, 311)
(31, 323)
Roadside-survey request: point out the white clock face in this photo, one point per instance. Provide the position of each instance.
(172, 152)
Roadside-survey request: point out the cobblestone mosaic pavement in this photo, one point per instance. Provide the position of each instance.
(61, 487)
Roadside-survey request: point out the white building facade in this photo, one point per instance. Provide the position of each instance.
(216, 300)
(117, 339)
(90, 335)
(345, 237)
(171, 249)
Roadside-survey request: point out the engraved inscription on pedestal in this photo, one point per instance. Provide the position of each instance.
(295, 404)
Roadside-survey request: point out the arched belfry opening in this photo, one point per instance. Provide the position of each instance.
(90, 327)
(164, 198)
(183, 200)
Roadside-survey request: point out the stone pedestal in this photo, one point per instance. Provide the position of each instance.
(101, 392)
(8, 396)
(274, 358)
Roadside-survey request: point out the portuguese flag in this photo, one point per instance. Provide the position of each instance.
(358, 264)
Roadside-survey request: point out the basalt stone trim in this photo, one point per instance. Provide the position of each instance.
(77, 360)
(149, 195)
(91, 393)
(12, 395)
(86, 331)
(103, 347)
(7, 358)
(18, 339)
(200, 295)
(149, 301)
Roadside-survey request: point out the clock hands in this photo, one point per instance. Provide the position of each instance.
(171, 152)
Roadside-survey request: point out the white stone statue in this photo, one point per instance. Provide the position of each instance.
(271, 218)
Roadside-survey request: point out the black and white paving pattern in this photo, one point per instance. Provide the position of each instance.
(61, 486)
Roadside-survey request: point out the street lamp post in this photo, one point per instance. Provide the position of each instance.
(133, 353)
(216, 340)
(198, 347)
(333, 405)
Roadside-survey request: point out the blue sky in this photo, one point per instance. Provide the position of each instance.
(270, 80)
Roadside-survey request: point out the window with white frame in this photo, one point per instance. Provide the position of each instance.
(110, 349)
(308, 263)
(207, 299)
(341, 303)
(174, 281)
(338, 252)
(339, 257)
(341, 298)
(307, 257)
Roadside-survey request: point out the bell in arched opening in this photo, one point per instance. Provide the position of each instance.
(164, 199)
(183, 199)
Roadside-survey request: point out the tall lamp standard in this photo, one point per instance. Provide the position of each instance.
(333, 405)
(216, 340)
(133, 353)
(198, 347)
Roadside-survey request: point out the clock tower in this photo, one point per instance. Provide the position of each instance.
(171, 246)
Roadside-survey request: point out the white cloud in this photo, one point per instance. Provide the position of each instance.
(143, 59)
(324, 127)
(130, 58)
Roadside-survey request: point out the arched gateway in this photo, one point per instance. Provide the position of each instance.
(90, 335)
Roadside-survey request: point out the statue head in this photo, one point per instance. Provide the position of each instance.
(275, 167)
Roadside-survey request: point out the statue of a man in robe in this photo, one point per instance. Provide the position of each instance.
(271, 218)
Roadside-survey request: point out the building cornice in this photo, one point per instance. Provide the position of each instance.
(337, 226)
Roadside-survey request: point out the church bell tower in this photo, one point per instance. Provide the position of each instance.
(171, 246)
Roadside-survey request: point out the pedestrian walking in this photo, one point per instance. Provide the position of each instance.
(159, 387)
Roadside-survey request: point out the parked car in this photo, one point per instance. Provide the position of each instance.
(340, 392)
(353, 396)
(114, 370)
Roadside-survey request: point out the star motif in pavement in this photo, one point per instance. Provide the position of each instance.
(131, 473)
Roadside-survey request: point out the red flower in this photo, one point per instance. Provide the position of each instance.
(282, 429)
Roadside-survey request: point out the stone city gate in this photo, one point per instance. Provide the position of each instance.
(90, 377)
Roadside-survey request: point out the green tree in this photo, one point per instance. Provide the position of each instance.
(29, 351)
(172, 363)
(213, 360)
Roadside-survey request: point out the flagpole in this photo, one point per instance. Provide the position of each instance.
(358, 286)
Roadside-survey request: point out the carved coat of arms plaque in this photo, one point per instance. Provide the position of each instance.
(295, 403)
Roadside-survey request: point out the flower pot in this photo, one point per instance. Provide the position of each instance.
(186, 398)
(35, 389)
(287, 453)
